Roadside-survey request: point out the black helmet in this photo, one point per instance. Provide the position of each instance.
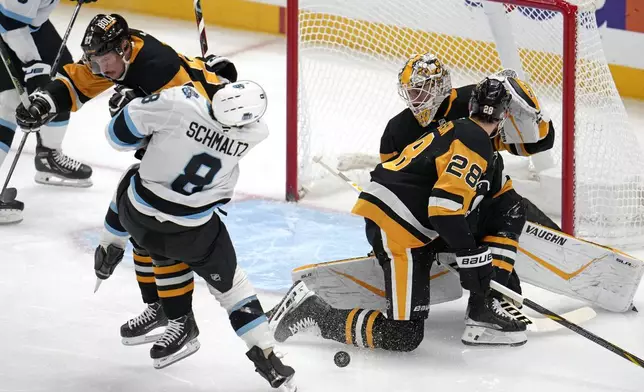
(103, 34)
(490, 100)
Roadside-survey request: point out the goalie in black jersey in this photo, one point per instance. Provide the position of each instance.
(423, 194)
(138, 65)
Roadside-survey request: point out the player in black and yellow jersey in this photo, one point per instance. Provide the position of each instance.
(425, 193)
(139, 65)
(425, 86)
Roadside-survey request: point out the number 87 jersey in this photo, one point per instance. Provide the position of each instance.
(428, 190)
(190, 164)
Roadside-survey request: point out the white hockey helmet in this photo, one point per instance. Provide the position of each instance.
(239, 103)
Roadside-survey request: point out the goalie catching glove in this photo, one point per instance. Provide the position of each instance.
(526, 115)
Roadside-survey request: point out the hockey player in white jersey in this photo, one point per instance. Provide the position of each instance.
(168, 205)
(33, 43)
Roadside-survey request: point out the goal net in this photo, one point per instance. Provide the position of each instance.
(344, 61)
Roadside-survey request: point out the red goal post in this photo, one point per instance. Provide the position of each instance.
(556, 43)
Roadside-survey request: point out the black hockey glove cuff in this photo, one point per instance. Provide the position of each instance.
(105, 261)
(475, 269)
(121, 97)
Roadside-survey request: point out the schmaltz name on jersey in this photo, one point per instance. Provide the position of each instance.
(545, 234)
(215, 140)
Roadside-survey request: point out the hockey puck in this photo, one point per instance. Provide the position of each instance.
(341, 359)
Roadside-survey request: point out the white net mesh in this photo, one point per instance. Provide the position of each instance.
(351, 52)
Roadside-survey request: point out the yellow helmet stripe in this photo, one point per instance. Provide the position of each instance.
(405, 77)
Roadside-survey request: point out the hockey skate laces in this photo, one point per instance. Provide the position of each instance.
(65, 161)
(498, 309)
(302, 324)
(148, 315)
(172, 332)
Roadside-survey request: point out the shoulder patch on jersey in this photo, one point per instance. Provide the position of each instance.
(189, 92)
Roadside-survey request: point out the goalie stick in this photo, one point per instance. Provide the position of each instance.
(577, 316)
(10, 194)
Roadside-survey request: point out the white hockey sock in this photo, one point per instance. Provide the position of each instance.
(245, 312)
(52, 134)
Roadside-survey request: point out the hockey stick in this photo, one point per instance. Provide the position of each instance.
(8, 195)
(4, 195)
(560, 320)
(580, 315)
(201, 27)
(338, 174)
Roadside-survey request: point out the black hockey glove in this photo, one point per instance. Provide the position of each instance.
(105, 261)
(475, 269)
(39, 112)
(221, 66)
(85, 1)
(36, 75)
(121, 97)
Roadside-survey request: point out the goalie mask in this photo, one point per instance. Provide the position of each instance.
(423, 83)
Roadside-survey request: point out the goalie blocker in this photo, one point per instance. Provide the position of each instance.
(546, 258)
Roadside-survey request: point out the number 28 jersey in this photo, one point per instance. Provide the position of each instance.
(190, 164)
(428, 189)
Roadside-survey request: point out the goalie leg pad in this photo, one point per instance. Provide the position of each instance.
(580, 269)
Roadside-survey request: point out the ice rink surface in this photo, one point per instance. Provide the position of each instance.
(57, 336)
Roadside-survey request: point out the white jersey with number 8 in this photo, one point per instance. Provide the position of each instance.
(190, 164)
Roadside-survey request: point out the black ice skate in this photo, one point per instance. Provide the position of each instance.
(272, 369)
(10, 208)
(487, 323)
(55, 168)
(135, 331)
(178, 342)
(299, 310)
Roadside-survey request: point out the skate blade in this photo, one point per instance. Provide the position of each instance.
(10, 217)
(476, 335)
(296, 294)
(145, 339)
(477, 344)
(53, 179)
(189, 349)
